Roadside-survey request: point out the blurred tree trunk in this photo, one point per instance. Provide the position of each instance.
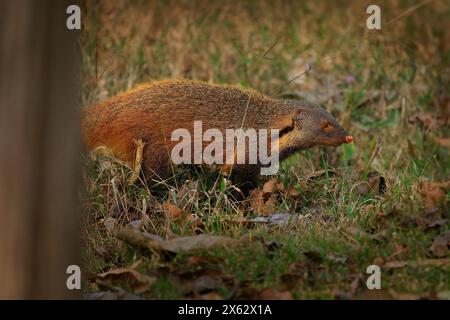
(39, 149)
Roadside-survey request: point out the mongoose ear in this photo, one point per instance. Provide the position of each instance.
(286, 123)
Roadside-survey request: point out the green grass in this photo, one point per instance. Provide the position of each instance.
(316, 257)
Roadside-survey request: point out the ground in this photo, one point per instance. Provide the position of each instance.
(330, 213)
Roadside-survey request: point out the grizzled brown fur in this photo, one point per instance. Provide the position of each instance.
(153, 111)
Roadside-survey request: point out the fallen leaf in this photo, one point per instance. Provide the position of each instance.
(442, 102)
(379, 261)
(380, 294)
(440, 245)
(375, 183)
(110, 295)
(292, 280)
(200, 242)
(434, 194)
(321, 173)
(208, 296)
(175, 245)
(417, 263)
(426, 119)
(206, 282)
(272, 245)
(428, 219)
(171, 211)
(261, 204)
(188, 193)
(313, 256)
(292, 192)
(342, 295)
(400, 249)
(175, 214)
(272, 294)
(349, 295)
(444, 142)
(405, 295)
(273, 185)
(136, 280)
(201, 281)
(195, 261)
(264, 201)
(437, 223)
(390, 294)
(356, 232)
(395, 264)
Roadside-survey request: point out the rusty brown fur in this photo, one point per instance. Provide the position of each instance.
(152, 111)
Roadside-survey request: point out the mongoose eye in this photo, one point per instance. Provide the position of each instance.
(327, 127)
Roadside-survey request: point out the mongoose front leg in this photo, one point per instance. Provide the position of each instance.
(245, 177)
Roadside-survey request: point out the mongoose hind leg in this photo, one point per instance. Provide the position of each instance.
(156, 167)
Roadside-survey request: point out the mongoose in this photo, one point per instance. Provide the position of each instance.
(152, 111)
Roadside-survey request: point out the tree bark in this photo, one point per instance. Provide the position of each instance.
(39, 149)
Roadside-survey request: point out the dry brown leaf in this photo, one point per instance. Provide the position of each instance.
(313, 256)
(441, 244)
(138, 281)
(381, 294)
(434, 194)
(349, 295)
(174, 213)
(400, 249)
(264, 201)
(261, 204)
(273, 185)
(110, 295)
(418, 263)
(206, 282)
(445, 141)
(269, 186)
(375, 183)
(437, 223)
(405, 295)
(171, 211)
(195, 261)
(292, 193)
(200, 242)
(388, 294)
(188, 193)
(201, 281)
(354, 231)
(208, 296)
(272, 294)
(321, 173)
(175, 245)
(442, 102)
(426, 119)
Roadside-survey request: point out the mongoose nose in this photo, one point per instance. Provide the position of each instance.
(348, 139)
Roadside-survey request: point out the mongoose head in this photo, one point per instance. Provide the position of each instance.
(311, 126)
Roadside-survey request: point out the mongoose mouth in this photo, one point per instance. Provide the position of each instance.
(349, 139)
